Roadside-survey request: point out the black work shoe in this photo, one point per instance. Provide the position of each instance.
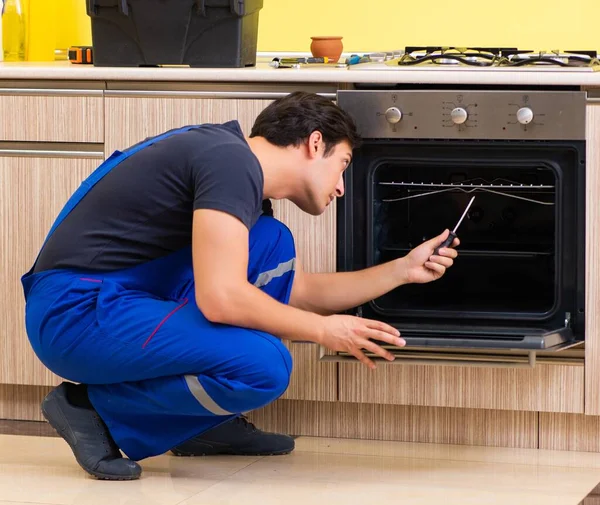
(91, 443)
(239, 437)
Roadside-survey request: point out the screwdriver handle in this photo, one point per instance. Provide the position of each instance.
(445, 243)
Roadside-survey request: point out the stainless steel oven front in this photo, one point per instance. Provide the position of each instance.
(518, 283)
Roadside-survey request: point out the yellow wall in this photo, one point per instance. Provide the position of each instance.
(287, 25)
(55, 24)
(377, 25)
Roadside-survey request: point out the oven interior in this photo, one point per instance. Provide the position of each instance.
(508, 258)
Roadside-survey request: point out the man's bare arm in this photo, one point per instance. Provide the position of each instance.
(330, 293)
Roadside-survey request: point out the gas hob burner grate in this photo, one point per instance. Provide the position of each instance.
(438, 55)
(495, 57)
(562, 59)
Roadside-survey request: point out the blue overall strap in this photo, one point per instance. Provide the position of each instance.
(111, 162)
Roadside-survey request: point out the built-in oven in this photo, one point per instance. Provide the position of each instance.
(518, 283)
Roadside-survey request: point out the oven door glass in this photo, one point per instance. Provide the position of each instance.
(518, 280)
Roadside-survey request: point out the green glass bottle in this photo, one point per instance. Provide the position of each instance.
(13, 30)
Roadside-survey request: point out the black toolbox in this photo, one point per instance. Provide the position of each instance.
(198, 33)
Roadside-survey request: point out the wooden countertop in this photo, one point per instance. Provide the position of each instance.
(263, 73)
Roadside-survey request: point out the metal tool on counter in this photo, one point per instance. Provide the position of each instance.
(452, 235)
(296, 62)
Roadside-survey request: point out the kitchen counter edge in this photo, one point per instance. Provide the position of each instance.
(265, 74)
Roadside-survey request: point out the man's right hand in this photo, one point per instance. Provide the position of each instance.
(351, 334)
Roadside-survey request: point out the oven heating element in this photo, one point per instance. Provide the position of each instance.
(470, 187)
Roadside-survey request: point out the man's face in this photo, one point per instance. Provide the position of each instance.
(324, 178)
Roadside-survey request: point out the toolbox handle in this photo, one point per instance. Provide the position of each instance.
(238, 7)
(92, 7)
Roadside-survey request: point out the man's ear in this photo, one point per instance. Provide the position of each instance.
(315, 144)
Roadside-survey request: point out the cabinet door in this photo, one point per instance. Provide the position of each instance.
(546, 388)
(592, 259)
(33, 190)
(51, 115)
(130, 119)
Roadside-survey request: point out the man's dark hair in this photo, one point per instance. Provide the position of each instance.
(290, 121)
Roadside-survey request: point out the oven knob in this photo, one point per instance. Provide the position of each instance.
(459, 115)
(393, 115)
(525, 115)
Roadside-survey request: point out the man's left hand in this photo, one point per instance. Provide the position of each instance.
(422, 266)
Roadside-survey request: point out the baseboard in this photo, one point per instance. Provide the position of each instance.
(441, 425)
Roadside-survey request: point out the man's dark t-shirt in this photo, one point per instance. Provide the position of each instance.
(143, 208)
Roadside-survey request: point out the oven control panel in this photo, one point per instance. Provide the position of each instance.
(520, 115)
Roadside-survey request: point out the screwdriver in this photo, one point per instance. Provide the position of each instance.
(452, 235)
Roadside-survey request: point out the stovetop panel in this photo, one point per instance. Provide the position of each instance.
(481, 58)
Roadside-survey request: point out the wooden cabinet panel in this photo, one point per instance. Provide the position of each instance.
(369, 421)
(552, 388)
(569, 432)
(592, 263)
(311, 379)
(131, 119)
(51, 116)
(314, 236)
(32, 193)
(22, 402)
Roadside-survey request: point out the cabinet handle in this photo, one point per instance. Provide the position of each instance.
(468, 361)
(50, 92)
(264, 95)
(45, 153)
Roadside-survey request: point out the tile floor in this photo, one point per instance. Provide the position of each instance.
(38, 468)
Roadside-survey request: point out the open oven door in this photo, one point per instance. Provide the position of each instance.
(472, 345)
(496, 338)
(505, 347)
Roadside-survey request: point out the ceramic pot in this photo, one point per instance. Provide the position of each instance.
(330, 47)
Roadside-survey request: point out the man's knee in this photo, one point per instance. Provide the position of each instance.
(270, 376)
(272, 234)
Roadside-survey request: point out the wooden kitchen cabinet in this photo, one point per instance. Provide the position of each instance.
(592, 259)
(545, 388)
(131, 117)
(34, 187)
(46, 114)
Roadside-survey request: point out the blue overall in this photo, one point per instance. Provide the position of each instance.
(158, 371)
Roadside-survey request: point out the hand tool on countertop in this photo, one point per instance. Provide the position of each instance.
(81, 54)
(292, 62)
(355, 59)
(452, 235)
